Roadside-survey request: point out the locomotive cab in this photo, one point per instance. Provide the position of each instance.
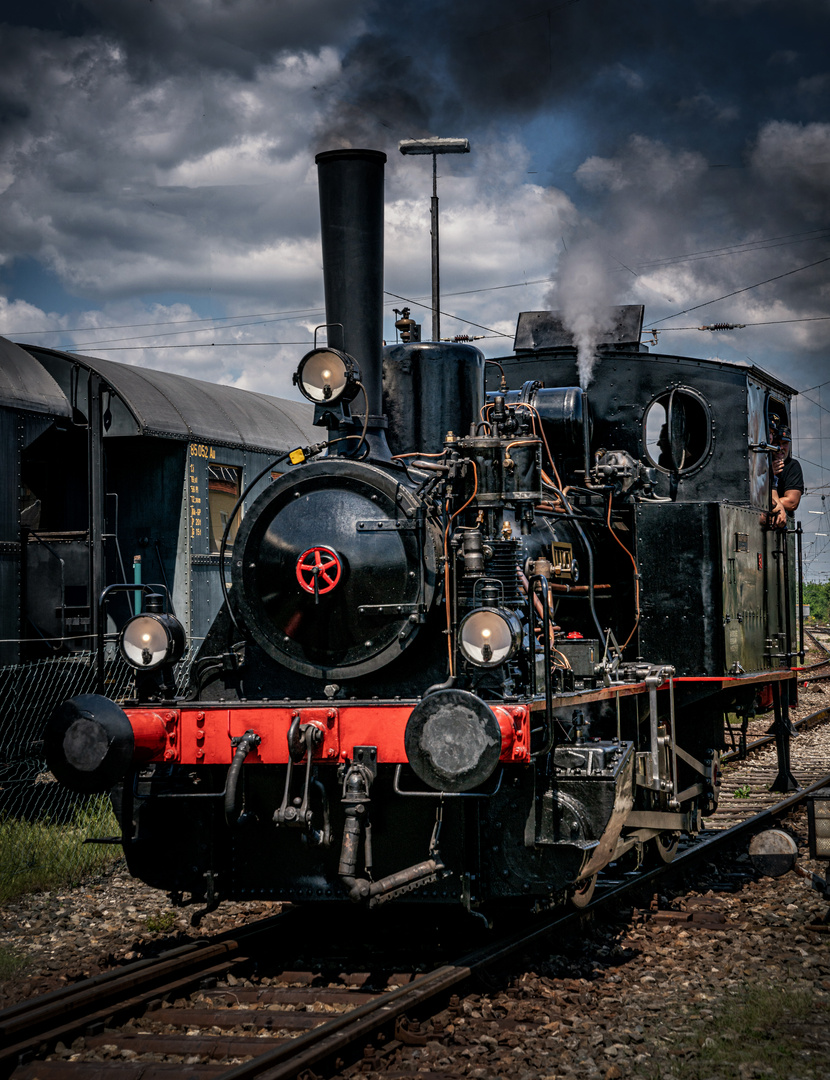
(718, 586)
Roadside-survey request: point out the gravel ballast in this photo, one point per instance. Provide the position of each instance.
(643, 996)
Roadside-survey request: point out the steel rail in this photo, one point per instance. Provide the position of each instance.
(765, 740)
(816, 663)
(333, 1037)
(811, 634)
(818, 677)
(113, 992)
(66, 1010)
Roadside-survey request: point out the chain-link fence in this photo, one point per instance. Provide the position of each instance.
(43, 825)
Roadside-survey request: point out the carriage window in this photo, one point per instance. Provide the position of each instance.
(224, 485)
(678, 431)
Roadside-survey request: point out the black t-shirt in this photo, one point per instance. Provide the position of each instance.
(791, 478)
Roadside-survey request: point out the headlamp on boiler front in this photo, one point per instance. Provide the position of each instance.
(154, 638)
(326, 376)
(490, 636)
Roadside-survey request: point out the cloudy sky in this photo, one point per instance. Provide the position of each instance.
(159, 201)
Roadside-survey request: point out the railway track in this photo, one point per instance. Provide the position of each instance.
(227, 1009)
(819, 669)
(745, 783)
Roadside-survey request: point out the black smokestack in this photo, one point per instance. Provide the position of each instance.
(351, 218)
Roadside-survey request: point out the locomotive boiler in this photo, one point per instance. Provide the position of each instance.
(476, 645)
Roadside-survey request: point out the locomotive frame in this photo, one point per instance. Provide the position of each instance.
(476, 648)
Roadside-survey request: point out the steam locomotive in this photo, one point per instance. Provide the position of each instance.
(476, 644)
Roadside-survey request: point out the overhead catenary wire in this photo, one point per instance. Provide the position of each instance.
(194, 345)
(731, 249)
(736, 292)
(818, 386)
(169, 322)
(748, 247)
(765, 243)
(203, 330)
(449, 315)
(742, 326)
(104, 345)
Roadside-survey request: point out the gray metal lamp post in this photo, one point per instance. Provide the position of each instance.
(435, 147)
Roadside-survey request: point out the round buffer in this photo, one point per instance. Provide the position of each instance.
(453, 740)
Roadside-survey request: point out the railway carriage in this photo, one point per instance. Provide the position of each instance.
(112, 476)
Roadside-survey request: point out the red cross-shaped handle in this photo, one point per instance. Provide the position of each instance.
(318, 570)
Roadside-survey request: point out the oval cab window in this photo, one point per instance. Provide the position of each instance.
(677, 429)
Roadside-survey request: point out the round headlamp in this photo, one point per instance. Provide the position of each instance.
(326, 376)
(152, 639)
(489, 636)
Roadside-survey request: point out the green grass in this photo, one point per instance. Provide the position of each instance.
(43, 854)
(763, 1032)
(10, 963)
(161, 923)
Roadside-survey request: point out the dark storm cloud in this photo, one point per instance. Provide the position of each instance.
(68, 17)
(700, 246)
(168, 143)
(376, 92)
(13, 112)
(696, 73)
(689, 128)
(161, 36)
(114, 183)
(671, 230)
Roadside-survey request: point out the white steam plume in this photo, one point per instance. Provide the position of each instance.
(584, 296)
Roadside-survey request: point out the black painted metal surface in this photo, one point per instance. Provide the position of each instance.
(430, 389)
(351, 217)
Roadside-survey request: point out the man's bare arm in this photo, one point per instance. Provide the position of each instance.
(781, 504)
